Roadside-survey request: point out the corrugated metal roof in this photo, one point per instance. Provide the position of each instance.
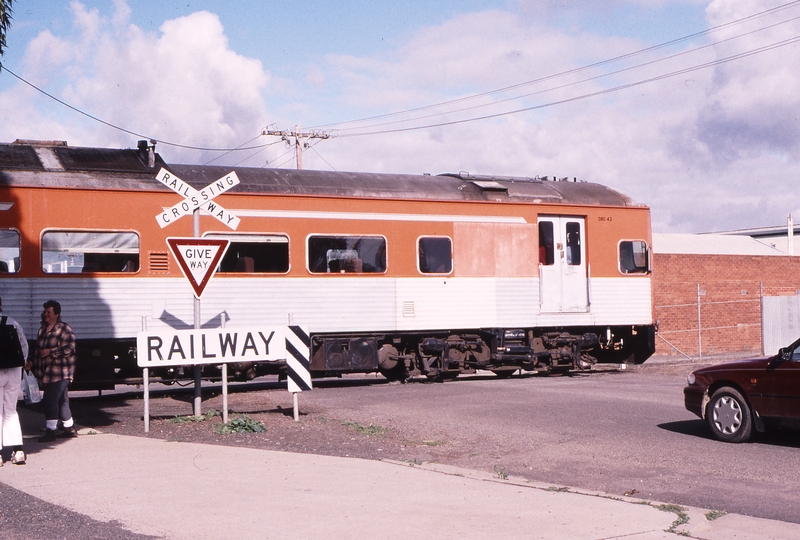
(710, 244)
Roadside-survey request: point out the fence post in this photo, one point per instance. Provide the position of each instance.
(699, 327)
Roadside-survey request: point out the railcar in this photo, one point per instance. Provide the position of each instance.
(400, 274)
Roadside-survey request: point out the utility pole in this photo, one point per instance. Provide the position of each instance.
(298, 135)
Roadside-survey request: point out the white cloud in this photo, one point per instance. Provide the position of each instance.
(708, 150)
(183, 85)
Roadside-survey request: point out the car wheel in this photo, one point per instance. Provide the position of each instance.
(729, 416)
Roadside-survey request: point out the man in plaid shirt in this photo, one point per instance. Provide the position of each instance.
(54, 366)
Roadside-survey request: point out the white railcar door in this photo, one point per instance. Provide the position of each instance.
(563, 286)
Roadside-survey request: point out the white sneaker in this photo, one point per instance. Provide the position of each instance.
(18, 458)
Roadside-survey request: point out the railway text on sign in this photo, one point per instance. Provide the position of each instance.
(214, 346)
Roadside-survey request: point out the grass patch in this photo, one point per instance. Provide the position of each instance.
(191, 418)
(683, 517)
(500, 472)
(243, 424)
(371, 429)
(715, 514)
(558, 489)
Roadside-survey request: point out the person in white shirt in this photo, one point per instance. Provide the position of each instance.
(10, 377)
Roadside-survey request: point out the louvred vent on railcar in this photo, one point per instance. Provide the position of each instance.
(159, 262)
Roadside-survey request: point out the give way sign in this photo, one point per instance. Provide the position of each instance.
(198, 259)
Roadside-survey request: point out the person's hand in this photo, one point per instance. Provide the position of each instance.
(28, 366)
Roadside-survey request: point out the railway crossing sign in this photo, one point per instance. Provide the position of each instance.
(194, 199)
(198, 259)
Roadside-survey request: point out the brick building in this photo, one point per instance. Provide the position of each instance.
(709, 292)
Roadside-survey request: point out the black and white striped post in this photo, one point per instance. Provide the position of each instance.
(298, 360)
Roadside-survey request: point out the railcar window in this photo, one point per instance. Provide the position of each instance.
(347, 254)
(247, 253)
(435, 255)
(75, 252)
(573, 243)
(633, 257)
(9, 251)
(546, 244)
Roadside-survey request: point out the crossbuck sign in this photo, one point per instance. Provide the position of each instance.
(194, 199)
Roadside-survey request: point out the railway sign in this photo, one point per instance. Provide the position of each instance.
(198, 259)
(159, 348)
(194, 199)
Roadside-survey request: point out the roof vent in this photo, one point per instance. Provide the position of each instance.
(490, 185)
(34, 142)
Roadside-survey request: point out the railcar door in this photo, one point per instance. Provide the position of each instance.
(562, 264)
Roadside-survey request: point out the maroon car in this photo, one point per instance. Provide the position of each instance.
(736, 397)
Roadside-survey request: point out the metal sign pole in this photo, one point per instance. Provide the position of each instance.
(224, 381)
(197, 368)
(146, 382)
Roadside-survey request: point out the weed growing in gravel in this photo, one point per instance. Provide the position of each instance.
(371, 429)
(432, 443)
(191, 418)
(715, 514)
(243, 424)
(683, 517)
(500, 472)
(558, 489)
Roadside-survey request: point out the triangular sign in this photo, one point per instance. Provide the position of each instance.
(198, 258)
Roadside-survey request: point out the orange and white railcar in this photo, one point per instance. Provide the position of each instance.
(403, 274)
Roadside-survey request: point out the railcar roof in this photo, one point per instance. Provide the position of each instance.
(56, 164)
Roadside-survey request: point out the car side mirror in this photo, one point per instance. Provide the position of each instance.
(785, 354)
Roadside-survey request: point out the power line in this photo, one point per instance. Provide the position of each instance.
(298, 135)
(783, 43)
(109, 124)
(560, 74)
(566, 85)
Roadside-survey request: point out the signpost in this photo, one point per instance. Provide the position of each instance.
(193, 202)
(298, 361)
(198, 259)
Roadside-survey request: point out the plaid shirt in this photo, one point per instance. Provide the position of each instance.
(60, 363)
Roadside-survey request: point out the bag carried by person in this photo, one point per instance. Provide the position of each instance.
(10, 349)
(30, 388)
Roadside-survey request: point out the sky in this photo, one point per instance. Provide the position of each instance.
(688, 106)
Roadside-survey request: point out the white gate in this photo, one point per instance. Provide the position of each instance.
(780, 322)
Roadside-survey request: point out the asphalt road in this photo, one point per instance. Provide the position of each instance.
(617, 432)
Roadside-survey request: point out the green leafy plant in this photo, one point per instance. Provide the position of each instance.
(715, 514)
(191, 418)
(243, 424)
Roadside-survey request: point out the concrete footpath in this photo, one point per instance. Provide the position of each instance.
(190, 491)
